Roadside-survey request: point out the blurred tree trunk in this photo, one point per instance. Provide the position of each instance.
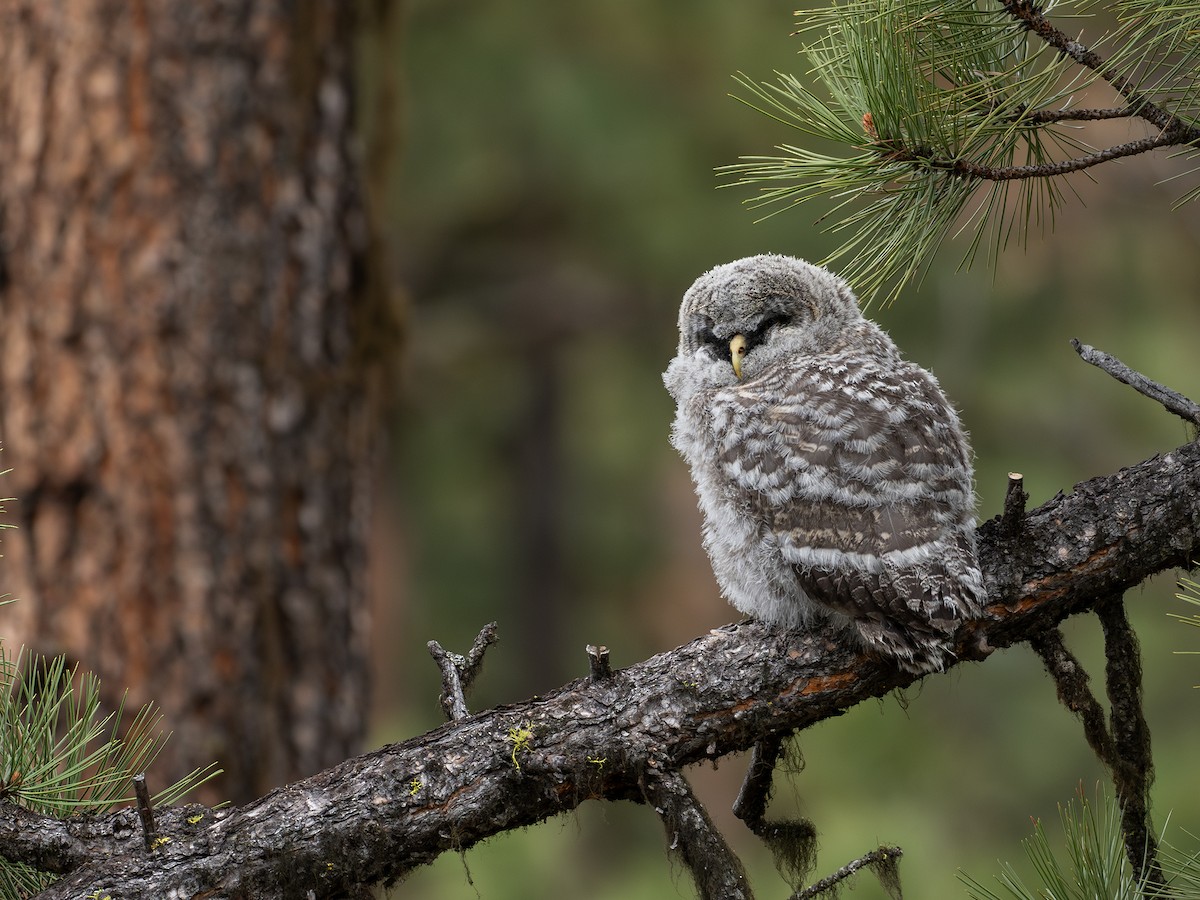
(184, 373)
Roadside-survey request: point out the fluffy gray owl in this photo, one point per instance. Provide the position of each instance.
(834, 476)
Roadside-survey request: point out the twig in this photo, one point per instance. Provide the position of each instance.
(752, 799)
(895, 152)
(598, 662)
(1172, 401)
(1132, 768)
(458, 672)
(1081, 114)
(792, 842)
(483, 640)
(718, 872)
(883, 860)
(145, 810)
(1073, 691)
(1031, 15)
(1015, 497)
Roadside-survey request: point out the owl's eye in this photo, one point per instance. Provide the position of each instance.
(705, 336)
(764, 328)
(771, 321)
(720, 346)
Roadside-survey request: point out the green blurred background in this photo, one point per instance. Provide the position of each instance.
(555, 196)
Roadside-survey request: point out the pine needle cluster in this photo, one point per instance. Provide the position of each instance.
(1189, 592)
(61, 755)
(1092, 863)
(961, 115)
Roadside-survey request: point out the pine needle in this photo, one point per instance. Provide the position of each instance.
(60, 756)
(929, 119)
(1091, 863)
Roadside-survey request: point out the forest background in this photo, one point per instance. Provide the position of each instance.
(554, 196)
(542, 180)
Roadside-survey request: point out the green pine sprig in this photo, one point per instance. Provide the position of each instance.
(60, 755)
(1091, 864)
(930, 118)
(1189, 592)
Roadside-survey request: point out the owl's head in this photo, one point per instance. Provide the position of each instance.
(754, 311)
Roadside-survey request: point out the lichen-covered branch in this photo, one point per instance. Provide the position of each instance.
(716, 870)
(1074, 691)
(792, 842)
(1132, 768)
(376, 817)
(883, 860)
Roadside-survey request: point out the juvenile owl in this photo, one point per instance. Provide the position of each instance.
(834, 476)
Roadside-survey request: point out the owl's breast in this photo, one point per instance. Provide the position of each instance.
(746, 559)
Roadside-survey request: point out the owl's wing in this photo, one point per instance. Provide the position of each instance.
(861, 477)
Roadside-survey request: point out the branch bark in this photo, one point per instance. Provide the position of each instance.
(1172, 131)
(376, 817)
(1032, 16)
(968, 169)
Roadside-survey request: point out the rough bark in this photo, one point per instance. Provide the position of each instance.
(376, 817)
(182, 367)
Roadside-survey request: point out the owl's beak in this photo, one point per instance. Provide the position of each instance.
(737, 349)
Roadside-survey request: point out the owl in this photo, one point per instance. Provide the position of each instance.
(833, 475)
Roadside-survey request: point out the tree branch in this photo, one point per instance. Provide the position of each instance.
(458, 672)
(718, 873)
(752, 799)
(1170, 400)
(376, 817)
(968, 169)
(1132, 768)
(883, 859)
(1031, 16)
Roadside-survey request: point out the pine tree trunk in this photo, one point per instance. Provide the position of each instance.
(183, 390)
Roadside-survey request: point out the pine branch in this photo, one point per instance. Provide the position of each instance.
(376, 817)
(1032, 18)
(1092, 864)
(945, 104)
(964, 168)
(1080, 114)
(718, 873)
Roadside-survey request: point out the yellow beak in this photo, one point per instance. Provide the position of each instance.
(737, 349)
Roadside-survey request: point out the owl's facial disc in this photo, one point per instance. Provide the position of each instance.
(736, 348)
(734, 341)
